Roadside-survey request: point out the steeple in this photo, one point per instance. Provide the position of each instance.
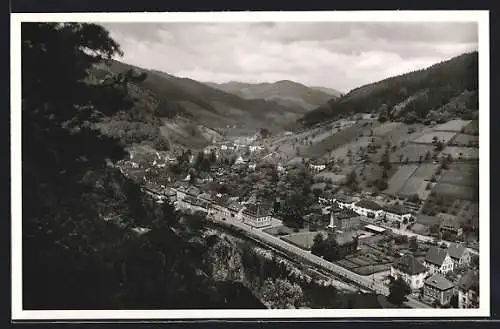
(332, 221)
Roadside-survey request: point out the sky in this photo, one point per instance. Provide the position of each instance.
(339, 55)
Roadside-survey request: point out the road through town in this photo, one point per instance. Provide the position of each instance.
(364, 281)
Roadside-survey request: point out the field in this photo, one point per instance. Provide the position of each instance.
(302, 240)
(453, 125)
(411, 152)
(465, 140)
(371, 259)
(326, 175)
(456, 191)
(415, 186)
(461, 174)
(353, 145)
(425, 171)
(282, 230)
(443, 136)
(461, 153)
(370, 269)
(472, 128)
(368, 172)
(336, 140)
(397, 180)
(386, 128)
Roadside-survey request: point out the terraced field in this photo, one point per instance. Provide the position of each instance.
(411, 152)
(461, 153)
(397, 180)
(465, 140)
(443, 136)
(336, 140)
(453, 125)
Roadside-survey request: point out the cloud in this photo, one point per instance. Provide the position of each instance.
(340, 55)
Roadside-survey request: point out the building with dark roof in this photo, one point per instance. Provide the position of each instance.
(450, 224)
(459, 255)
(397, 213)
(437, 260)
(368, 208)
(257, 215)
(468, 290)
(438, 289)
(344, 201)
(410, 270)
(344, 220)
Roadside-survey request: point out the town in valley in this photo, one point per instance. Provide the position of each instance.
(176, 177)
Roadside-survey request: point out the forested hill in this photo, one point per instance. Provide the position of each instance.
(441, 92)
(285, 92)
(171, 96)
(170, 111)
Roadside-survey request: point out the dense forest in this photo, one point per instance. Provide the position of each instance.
(439, 93)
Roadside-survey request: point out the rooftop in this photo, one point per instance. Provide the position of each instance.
(367, 204)
(436, 255)
(257, 210)
(397, 209)
(450, 223)
(343, 199)
(470, 280)
(410, 265)
(345, 214)
(375, 228)
(438, 281)
(456, 250)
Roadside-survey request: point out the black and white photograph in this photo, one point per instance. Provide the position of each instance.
(250, 165)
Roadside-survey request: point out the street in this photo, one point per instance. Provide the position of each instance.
(364, 281)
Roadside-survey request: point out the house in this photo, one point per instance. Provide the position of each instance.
(193, 204)
(468, 290)
(459, 255)
(171, 195)
(193, 191)
(252, 166)
(239, 160)
(438, 289)
(368, 208)
(397, 213)
(255, 148)
(437, 260)
(344, 202)
(220, 205)
(344, 220)
(256, 215)
(235, 210)
(450, 225)
(410, 270)
(317, 166)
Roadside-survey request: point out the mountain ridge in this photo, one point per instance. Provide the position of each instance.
(418, 96)
(285, 92)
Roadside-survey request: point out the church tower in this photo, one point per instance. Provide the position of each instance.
(332, 225)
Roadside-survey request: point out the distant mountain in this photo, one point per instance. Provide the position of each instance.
(330, 91)
(441, 92)
(192, 113)
(285, 92)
